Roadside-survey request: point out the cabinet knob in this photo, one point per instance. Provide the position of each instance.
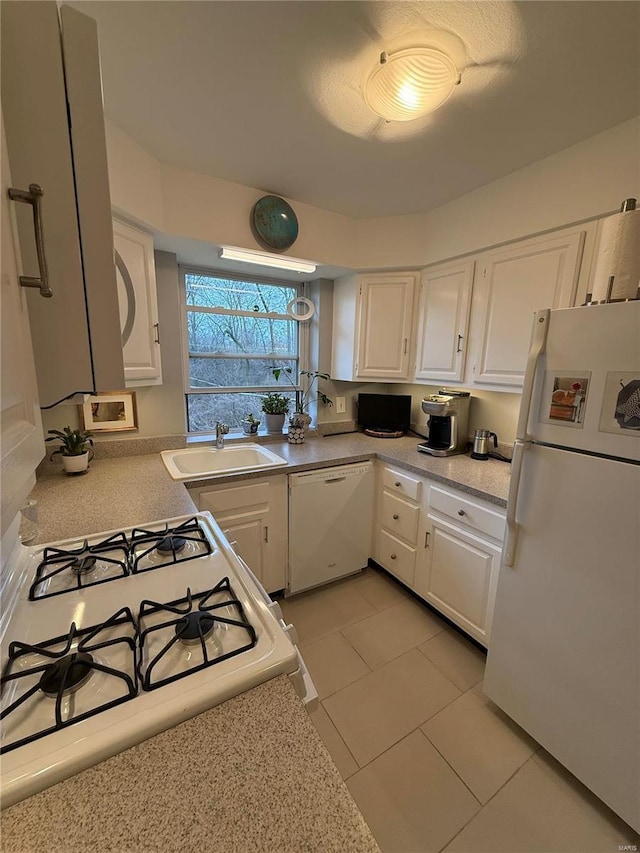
(393, 556)
(461, 512)
(396, 517)
(398, 483)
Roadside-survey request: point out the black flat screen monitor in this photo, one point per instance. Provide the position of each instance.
(384, 412)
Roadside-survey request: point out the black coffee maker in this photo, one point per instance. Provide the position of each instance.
(448, 422)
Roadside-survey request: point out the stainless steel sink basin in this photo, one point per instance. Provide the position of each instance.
(213, 462)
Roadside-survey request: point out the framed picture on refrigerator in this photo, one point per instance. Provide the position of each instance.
(620, 412)
(565, 397)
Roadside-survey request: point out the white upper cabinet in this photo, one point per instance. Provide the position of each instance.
(372, 326)
(20, 424)
(136, 277)
(52, 107)
(510, 285)
(443, 320)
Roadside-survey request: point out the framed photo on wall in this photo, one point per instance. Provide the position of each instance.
(111, 411)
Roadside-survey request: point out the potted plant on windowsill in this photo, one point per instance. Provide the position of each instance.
(250, 425)
(301, 419)
(75, 449)
(275, 407)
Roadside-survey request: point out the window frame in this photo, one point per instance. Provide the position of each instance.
(302, 357)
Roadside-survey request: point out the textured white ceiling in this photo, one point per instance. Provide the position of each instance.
(268, 93)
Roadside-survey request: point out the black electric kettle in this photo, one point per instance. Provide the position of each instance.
(481, 443)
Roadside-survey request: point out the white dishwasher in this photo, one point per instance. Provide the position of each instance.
(330, 524)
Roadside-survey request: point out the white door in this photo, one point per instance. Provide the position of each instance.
(511, 285)
(564, 660)
(386, 305)
(443, 319)
(136, 277)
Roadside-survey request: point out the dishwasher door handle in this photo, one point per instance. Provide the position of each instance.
(335, 480)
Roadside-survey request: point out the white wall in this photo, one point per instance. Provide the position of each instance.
(585, 181)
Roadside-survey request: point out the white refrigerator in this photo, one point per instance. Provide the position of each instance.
(564, 660)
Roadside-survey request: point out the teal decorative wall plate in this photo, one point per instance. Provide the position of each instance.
(274, 222)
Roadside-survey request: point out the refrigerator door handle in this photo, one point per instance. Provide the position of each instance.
(511, 539)
(536, 348)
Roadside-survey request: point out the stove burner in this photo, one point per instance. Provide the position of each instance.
(171, 544)
(83, 565)
(67, 674)
(190, 627)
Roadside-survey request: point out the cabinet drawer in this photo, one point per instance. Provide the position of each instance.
(398, 558)
(468, 512)
(225, 498)
(400, 517)
(403, 484)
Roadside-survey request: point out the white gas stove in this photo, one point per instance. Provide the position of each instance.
(109, 640)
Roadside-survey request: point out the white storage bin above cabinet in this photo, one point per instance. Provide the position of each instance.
(136, 276)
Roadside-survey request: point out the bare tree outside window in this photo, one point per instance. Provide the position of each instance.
(238, 331)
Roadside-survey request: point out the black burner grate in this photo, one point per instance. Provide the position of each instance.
(79, 565)
(169, 545)
(69, 668)
(191, 621)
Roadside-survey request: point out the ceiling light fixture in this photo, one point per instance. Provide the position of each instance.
(410, 83)
(262, 259)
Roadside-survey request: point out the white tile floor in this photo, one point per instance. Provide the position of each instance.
(431, 762)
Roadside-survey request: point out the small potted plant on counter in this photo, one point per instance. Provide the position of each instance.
(301, 419)
(250, 425)
(75, 449)
(275, 407)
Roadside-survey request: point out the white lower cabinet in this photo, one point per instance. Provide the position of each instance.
(441, 543)
(253, 516)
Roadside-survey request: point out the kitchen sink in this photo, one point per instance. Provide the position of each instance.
(218, 462)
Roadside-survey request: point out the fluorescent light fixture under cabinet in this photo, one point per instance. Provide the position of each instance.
(247, 256)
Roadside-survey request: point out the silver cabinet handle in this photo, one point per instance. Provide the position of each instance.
(406, 341)
(461, 512)
(156, 326)
(396, 517)
(459, 348)
(32, 196)
(426, 539)
(266, 534)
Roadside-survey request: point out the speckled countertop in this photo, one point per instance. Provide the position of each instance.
(249, 775)
(487, 479)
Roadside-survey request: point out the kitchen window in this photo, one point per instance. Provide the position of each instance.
(237, 330)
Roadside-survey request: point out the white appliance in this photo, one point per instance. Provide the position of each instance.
(564, 660)
(330, 524)
(110, 640)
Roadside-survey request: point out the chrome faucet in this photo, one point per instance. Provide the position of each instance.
(221, 431)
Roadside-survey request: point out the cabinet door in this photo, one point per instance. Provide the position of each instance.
(460, 577)
(136, 277)
(21, 426)
(75, 332)
(443, 319)
(385, 309)
(254, 515)
(513, 284)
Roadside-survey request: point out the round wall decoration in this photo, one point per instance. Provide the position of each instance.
(274, 222)
(306, 306)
